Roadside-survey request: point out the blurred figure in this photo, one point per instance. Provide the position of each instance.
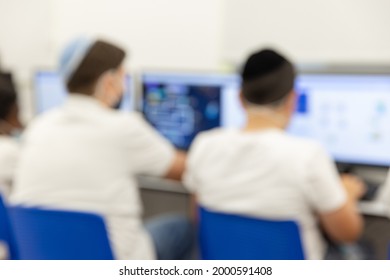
(85, 155)
(262, 171)
(383, 195)
(9, 129)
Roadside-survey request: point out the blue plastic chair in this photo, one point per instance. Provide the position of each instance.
(233, 237)
(388, 252)
(6, 234)
(43, 234)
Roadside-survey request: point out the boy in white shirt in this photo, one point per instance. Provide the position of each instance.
(261, 171)
(9, 125)
(84, 156)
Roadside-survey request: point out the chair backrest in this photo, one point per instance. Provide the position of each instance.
(228, 237)
(43, 234)
(388, 252)
(6, 234)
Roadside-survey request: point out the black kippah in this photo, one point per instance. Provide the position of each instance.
(261, 63)
(267, 77)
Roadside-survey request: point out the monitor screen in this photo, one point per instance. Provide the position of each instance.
(50, 92)
(348, 114)
(181, 105)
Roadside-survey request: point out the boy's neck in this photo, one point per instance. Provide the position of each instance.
(256, 122)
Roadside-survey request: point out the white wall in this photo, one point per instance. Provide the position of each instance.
(24, 36)
(24, 42)
(197, 34)
(310, 31)
(194, 34)
(168, 34)
(158, 34)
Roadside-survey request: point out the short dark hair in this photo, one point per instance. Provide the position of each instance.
(8, 96)
(101, 56)
(267, 78)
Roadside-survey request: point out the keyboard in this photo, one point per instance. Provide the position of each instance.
(371, 191)
(371, 187)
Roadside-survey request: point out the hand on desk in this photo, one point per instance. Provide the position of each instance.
(354, 186)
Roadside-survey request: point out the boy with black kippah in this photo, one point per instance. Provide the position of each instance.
(261, 171)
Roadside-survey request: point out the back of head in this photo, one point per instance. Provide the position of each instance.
(267, 78)
(8, 96)
(84, 61)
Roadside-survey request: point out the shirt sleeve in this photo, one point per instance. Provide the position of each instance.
(149, 152)
(325, 192)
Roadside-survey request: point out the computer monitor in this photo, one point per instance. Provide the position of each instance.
(50, 92)
(180, 105)
(348, 114)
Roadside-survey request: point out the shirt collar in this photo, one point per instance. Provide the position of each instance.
(83, 101)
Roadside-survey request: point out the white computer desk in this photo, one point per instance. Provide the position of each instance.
(160, 184)
(373, 174)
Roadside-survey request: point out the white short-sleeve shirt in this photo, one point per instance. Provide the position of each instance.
(267, 174)
(84, 157)
(9, 155)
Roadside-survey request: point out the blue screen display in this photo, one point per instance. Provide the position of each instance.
(180, 106)
(348, 114)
